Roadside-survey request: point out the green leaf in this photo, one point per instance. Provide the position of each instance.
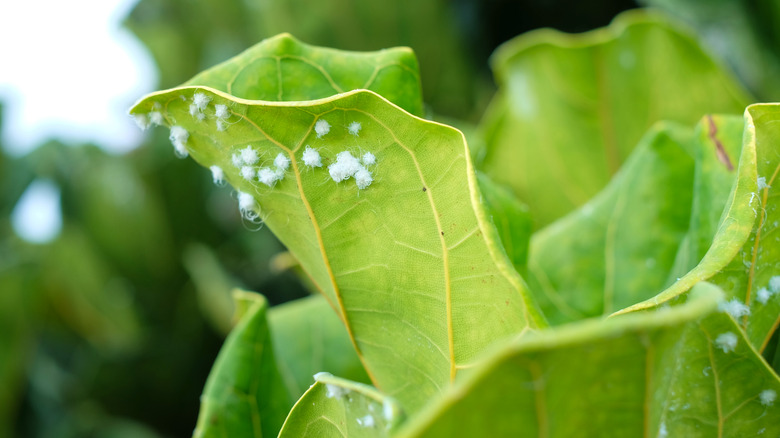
(335, 407)
(284, 69)
(244, 394)
(510, 217)
(212, 285)
(309, 338)
(570, 109)
(618, 248)
(665, 373)
(404, 261)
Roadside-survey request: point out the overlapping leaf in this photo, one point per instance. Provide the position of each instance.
(336, 407)
(680, 372)
(571, 108)
(407, 261)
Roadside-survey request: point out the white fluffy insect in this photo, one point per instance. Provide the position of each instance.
(767, 397)
(221, 111)
(156, 118)
(221, 125)
(387, 410)
(236, 160)
(322, 127)
(179, 138)
(367, 421)
(354, 128)
(200, 101)
(247, 206)
(194, 110)
(311, 157)
(218, 175)
(763, 295)
(142, 121)
(345, 166)
(369, 159)
(282, 162)
(726, 342)
(269, 176)
(249, 155)
(363, 178)
(762, 183)
(735, 308)
(247, 172)
(774, 284)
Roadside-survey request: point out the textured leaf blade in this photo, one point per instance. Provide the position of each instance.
(653, 374)
(244, 394)
(336, 407)
(406, 261)
(282, 68)
(565, 101)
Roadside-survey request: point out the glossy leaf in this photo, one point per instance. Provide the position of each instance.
(667, 373)
(511, 219)
(618, 249)
(282, 68)
(571, 108)
(335, 407)
(308, 338)
(405, 261)
(244, 394)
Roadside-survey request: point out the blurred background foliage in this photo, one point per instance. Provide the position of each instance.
(111, 328)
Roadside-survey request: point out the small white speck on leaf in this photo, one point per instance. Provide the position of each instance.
(200, 101)
(354, 128)
(763, 295)
(734, 307)
(774, 284)
(345, 166)
(221, 125)
(249, 155)
(269, 176)
(762, 183)
(282, 162)
(247, 172)
(367, 421)
(221, 111)
(236, 160)
(726, 342)
(322, 127)
(179, 138)
(218, 174)
(387, 410)
(369, 159)
(142, 121)
(247, 206)
(662, 432)
(156, 118)
(768, 397)
(311, 157)
(363, 178)
(194, 110)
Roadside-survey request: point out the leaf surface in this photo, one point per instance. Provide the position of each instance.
(244, 394)
(407, 261)
(571, 108)
(666, 373)
(336, 407)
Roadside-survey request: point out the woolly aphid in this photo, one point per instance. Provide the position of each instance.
(222, 113)
(218, 174)
(763, 295)
(236, 160)
(249, 156)
(142, 121)
(726, 342)
(367, 421)
(774, 284)
(247, 206)
(767, 397)
(354, 128)
(179, 138)
(762, 183)
(269, 176)
(345, 166)
(248, 173)
(735, 308)
(282, 162)
(156, 118)
(322, 127)
(200, 101)
(363, 178)
(311, 157)
(369, 159)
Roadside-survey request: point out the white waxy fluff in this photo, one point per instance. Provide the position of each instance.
(345, 166)
(387, 410)
(156, 118)
(762, 183)
(726, 342)
(194, 110)
(363, 178)
(767, 397)
(735, 308)
(322, 127)
(200, 116)
(763, 295)
(218, 174)
(354, 128)
(247, 206)
(367, 421)
(142, 121)
(369, 159)
(200, 101)
(282, 162)
(249, 155)
(774, 284)
(311, 157)
(179, 138)
(221, 111)
(221, 125)
(248, 173)
(269, 176)
(236, 160)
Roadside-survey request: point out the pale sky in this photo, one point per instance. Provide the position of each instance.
(68, 70)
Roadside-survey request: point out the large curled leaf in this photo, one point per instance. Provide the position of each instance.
(618, 248)
(308, 338)
(284, 69)
(571, 108)
(336, 407)
(742, 257)
(511, 219)
(244, 394)
(411, 262)
(682, 372)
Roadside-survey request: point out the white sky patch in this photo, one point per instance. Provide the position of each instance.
(74, 77)
(37, 216)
